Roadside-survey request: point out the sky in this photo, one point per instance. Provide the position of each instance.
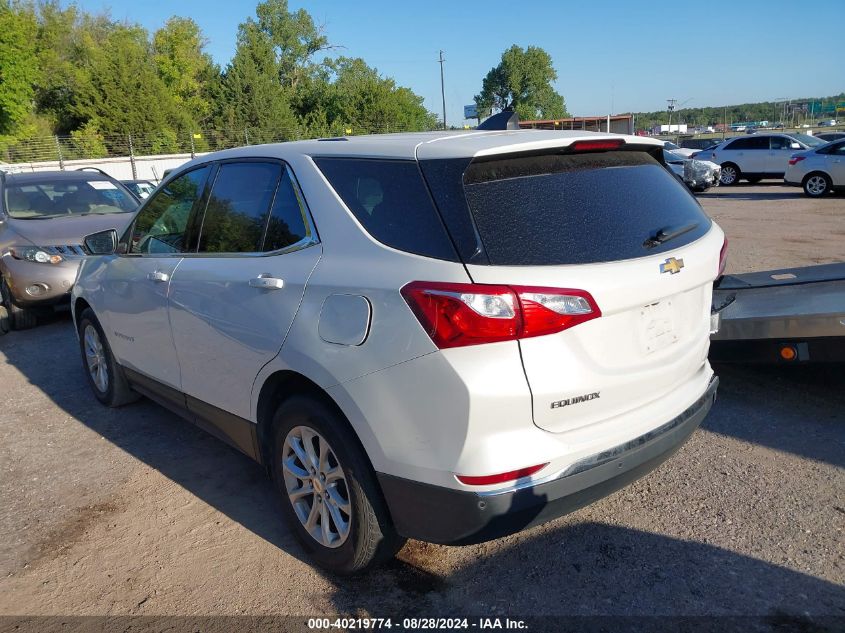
(611, 56)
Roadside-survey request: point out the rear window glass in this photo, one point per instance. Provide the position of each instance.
(390, 199)
(578, 208)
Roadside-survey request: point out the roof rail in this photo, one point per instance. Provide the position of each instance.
(504, 120)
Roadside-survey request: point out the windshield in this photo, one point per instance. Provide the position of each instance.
(670, 146)
(37, 200)
(670, 157)
(810, 141)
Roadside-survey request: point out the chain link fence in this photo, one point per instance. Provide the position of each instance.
(88, 145)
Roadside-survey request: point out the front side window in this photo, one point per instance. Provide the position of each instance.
(236, 215)
(163, 224)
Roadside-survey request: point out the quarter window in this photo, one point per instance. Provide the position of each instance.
(390, 199)
(162, 226)
(286, 225)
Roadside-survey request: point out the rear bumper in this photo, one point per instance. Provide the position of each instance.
(455, 517)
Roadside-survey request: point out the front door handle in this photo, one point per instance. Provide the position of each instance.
(158, 276)
(266, 282)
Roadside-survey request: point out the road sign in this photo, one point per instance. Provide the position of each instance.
(470, 111)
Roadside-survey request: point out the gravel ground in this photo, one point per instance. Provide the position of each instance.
(136, 512)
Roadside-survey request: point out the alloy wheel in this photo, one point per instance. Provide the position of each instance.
(95, 358)
(728, 175)
(816, 185)
(316, 486)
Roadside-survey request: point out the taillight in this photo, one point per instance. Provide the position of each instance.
(457, 315)
(723, 257)
(796, 159)
(513, 475)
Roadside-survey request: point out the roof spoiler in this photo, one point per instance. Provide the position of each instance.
(504, 120)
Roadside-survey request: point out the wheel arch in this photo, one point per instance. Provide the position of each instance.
(278, 387)
(79, 306)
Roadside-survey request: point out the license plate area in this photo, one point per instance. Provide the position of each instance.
(657, 326)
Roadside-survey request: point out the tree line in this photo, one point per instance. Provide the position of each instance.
(93, 80)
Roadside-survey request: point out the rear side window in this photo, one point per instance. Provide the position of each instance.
(750, 142)
(391, 201)
(238, 206)
(578, 208)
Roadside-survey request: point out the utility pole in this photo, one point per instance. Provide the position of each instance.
(442, 89)
(670, 106)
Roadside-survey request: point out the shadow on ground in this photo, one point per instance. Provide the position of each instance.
(796, 409)
(606, 569)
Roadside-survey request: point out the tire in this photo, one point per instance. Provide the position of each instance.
(105, 375)
(730, 175)
(19, 318)
(355, 531)
(5, 326)
(816, 185)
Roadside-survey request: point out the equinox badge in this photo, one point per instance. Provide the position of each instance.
(672, 266)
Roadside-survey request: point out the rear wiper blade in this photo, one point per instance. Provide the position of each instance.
(668, 233)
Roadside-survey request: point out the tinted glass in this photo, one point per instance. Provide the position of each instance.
(780, 142)
(162, 224)
(839, 150)
(238, 206)
(751, 142)
(38, 199)
(287, 224)
(578, 209)
(809, 141)
(390, 199)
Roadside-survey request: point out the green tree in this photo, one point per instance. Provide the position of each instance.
(183, 66)
(18, 65)
(121, 91)
(522, 82)
(253, 96)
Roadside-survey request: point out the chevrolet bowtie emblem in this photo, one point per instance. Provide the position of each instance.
(672, 266)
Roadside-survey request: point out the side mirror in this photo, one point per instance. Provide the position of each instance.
(795, 146)
(102, 243)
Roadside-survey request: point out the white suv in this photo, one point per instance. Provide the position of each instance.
(756, 156)
(449, 337)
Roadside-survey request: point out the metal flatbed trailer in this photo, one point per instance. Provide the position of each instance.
(791, 315)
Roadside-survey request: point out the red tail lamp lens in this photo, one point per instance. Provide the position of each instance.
(513, 475)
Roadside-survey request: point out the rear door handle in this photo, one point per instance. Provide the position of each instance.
(158, 276)
(266, 282)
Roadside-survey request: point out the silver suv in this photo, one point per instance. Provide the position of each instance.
(448, 337)
(757, 156)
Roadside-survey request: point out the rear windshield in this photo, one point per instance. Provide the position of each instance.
(35, 200)
(579, 208)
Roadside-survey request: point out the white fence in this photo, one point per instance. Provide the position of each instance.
(122, 168)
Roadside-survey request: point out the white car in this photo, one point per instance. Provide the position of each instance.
(757, 156)
(442, 336)
(686, 152)
(818, 171)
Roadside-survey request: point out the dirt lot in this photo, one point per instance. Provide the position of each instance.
(134, 511)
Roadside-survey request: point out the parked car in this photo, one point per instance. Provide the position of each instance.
(698, 175)
(447, 337)
(819, 171)
(698, 144)
(827, 123)
(683, 151)
(827, 137)
(43, 218)
(141, 188)
(757, 156)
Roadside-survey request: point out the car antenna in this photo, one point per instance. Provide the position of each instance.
(504, 120)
